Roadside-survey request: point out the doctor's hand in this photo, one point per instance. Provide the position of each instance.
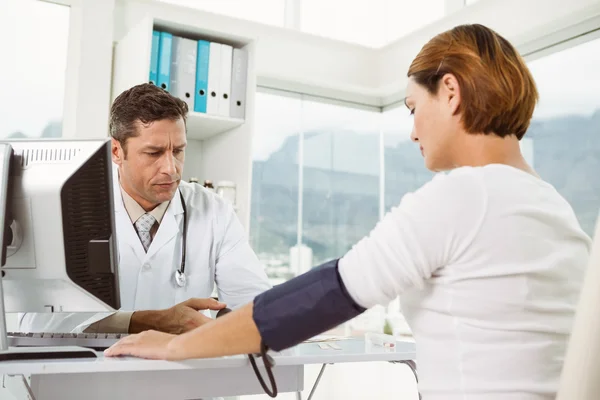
(180, 318)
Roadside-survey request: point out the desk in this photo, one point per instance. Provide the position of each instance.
(132, 378)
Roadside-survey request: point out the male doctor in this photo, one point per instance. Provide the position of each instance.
(148, 129)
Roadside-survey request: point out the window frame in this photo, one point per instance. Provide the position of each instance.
(88, 75)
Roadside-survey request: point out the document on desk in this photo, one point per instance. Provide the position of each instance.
(326, 338)
(329, 346)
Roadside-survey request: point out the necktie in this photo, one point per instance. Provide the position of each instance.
(143, 226)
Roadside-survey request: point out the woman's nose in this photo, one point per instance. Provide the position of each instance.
(413, 136)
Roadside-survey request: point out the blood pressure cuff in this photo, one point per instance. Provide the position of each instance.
(303, 307)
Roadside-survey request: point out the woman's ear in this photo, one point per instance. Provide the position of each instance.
(450, 93)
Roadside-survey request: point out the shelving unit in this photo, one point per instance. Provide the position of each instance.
(219, 148)
(202, 126)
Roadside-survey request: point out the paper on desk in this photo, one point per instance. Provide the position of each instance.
(328, 346)
(326, 338)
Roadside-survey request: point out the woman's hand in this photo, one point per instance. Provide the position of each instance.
(149, 344)
(234, 333)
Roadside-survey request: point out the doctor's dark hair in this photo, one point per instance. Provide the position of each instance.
(498, 93)
(145, 103)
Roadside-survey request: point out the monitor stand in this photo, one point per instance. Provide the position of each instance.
(8, 353)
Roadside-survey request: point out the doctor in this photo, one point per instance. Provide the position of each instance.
(175, 239)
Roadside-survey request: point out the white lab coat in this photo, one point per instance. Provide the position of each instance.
(217, 252)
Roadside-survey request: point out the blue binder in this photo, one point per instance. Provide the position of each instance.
(154, 57)
(203, 55)
(164, 60)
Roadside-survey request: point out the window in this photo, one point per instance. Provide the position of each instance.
(372, 23)
(404, 166)
(270, 12)
(316, 188)
(35, 43)
(315, 182)
(341, 178)
(275, 177)
(565, 131)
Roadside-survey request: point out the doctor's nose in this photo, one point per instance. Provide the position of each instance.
(168, 166)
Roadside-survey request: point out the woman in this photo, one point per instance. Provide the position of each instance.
(487, 259)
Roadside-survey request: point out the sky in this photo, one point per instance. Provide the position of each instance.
(34, 79)
(568, 81)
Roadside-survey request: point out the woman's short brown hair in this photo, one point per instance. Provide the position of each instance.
(497, 90)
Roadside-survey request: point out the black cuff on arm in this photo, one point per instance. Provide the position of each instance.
(303, 307)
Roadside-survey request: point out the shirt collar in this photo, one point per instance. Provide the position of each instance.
(135, 211)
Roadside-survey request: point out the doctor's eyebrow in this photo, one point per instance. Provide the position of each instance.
(161, 148)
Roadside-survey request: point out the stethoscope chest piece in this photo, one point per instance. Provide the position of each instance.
(180, 278)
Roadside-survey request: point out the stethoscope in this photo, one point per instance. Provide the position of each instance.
(179, 275)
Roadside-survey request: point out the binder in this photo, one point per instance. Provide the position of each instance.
(183, 70)
(225, 80)
(164, 60)
(214, 79)
(154, 57)
(239, 80)
(203, 54)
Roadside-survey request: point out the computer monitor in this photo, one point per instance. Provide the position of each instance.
(60, 245)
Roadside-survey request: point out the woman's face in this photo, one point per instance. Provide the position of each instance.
(436, 124)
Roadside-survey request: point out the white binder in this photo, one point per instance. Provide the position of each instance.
(214, 78)
(239, 78)
(183, 70)
(225, 84)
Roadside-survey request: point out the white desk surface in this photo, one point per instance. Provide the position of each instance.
(353, 350)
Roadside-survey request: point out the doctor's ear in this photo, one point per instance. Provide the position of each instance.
(117, 151)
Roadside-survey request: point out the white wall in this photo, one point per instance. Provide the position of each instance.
(293, 60)
(88, 75)
(525, 23)
(300, 62)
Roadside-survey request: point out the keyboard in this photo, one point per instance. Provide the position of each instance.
(96, 341)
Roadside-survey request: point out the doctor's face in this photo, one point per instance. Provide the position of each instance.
(151, 164)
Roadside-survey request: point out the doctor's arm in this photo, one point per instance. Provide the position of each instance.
(180, 318)
(239, 274)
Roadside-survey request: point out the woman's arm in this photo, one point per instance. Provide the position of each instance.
(430, 229)
(283, 317)
(235, 333)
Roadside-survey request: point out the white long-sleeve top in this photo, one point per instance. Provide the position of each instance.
(488, 263)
